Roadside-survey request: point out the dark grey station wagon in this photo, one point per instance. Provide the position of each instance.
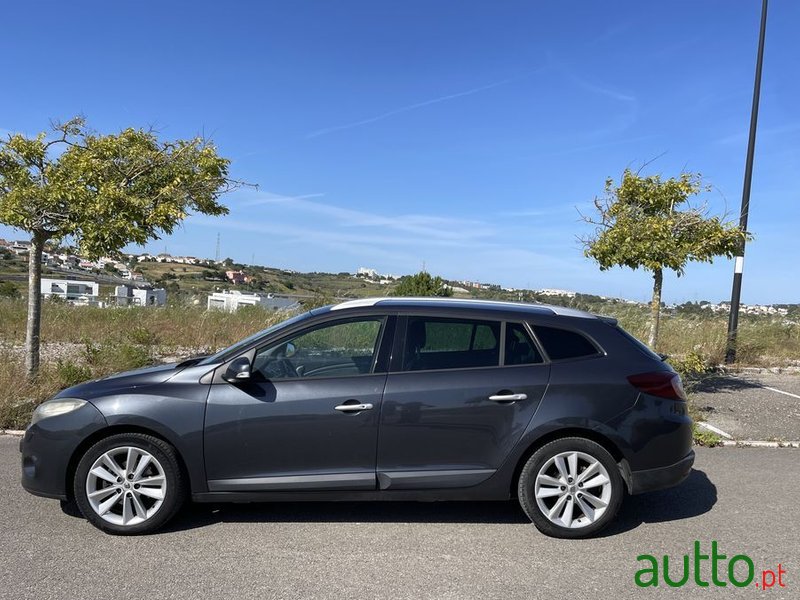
(377, 399)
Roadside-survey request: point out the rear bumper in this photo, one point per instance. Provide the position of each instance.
(650, 480)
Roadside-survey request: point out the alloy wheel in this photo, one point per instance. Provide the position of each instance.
(572, 489)
(126, 486)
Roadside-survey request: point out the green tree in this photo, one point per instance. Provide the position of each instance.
(422, 284)
(649, 223)
(102, 192)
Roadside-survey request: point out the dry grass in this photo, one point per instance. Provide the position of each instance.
(178, 326)
(18, 397)
(94, 342)
(762, 341)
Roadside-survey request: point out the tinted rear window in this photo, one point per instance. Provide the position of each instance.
(562, 343)
(638, 343)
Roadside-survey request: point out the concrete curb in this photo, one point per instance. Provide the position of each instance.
(713, 429)
(759, 444)
(17, 432)
(790, 370)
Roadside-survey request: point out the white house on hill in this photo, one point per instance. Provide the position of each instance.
(85, 292)
(231, 301)
(128, 296)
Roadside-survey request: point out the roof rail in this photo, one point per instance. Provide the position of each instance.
(434, 300)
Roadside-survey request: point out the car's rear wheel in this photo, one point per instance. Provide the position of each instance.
(129, 483)
(571, 488)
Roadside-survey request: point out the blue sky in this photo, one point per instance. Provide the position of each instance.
(459, 134)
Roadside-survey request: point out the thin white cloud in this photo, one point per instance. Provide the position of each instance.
(596, 146)
(409, 108)
(555, 209)
(630, 102)
(317, 234)
(426, 226)
(272, 198)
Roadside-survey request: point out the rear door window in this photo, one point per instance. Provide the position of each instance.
(442, 343)
(561, 344)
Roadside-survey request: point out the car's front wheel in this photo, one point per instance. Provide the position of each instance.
(129, 483)
(570, 488)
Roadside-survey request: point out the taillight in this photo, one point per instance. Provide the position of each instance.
(664, 384)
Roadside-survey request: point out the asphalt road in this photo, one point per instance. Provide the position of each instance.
(748, 406)
(745, 499)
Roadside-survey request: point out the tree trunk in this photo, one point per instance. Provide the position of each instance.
(34, 305)
(655, 308)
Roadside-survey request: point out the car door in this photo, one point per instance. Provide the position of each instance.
(307, 418)
(459, 395)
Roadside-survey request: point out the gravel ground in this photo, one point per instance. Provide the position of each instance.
(745, 499)
(55, 351)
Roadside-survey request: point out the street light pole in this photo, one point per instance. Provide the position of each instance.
(736, 292)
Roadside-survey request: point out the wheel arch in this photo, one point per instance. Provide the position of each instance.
(589, 434)
(101, 434)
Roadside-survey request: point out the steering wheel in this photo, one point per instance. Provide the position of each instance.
(287, 369)
(279, 367)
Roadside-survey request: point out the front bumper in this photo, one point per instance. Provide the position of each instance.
(650, 480)
(48, 446)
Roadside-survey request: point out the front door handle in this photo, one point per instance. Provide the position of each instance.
(508, 397)
(353, 407)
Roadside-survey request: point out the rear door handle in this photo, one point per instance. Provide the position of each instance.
(353, 407)
(508, 397)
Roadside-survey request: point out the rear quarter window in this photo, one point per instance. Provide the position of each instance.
(560, 344)
(640, 345)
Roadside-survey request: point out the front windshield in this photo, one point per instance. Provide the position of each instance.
(231, 351)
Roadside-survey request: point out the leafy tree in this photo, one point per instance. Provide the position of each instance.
(422, 284)
(640, 224)
(102, 192)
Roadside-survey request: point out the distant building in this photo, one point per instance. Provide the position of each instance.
(552, 292)
(477, 285)
(367, 272)
(20, 248)
(236, 277)
(186, 260)
(83, 292)
(231, 301)
(69, 260)
(127, 273)
(48, 260)
(125, 295)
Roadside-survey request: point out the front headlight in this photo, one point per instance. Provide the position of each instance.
(52, 408)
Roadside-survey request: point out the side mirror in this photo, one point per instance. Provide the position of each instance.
(290, 350)
(238, 370)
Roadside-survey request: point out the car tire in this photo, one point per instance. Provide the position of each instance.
(553, 488)
(129, 499)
